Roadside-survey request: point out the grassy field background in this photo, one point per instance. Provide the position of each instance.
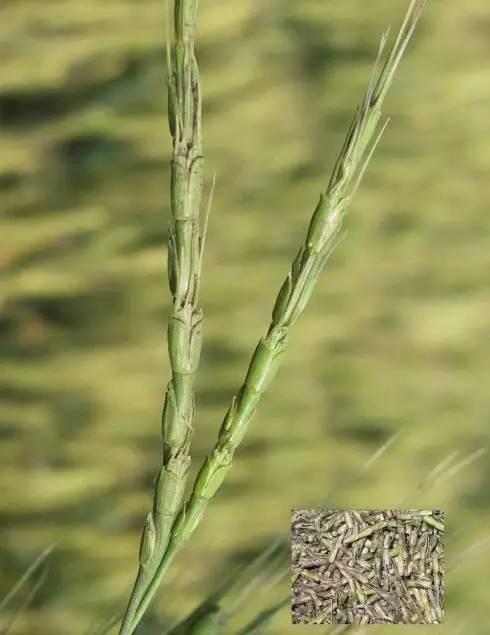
(397, 335)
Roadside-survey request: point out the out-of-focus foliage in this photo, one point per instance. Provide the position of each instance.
(397, 333)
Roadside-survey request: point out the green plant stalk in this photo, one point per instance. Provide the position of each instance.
(185, 244)
(322, 234)
(261, 621)
(32, 568)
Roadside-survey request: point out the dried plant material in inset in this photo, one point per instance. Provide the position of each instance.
(367, 566)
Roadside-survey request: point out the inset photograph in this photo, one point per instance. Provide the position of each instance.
(367, 566)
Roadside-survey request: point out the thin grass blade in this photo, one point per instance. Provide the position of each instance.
(29, 572)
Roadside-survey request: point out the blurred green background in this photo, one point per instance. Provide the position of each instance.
(397, 334)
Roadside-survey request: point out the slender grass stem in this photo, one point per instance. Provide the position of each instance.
(26, 601)
(33, 567)
(260, 622)
(185, 245)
